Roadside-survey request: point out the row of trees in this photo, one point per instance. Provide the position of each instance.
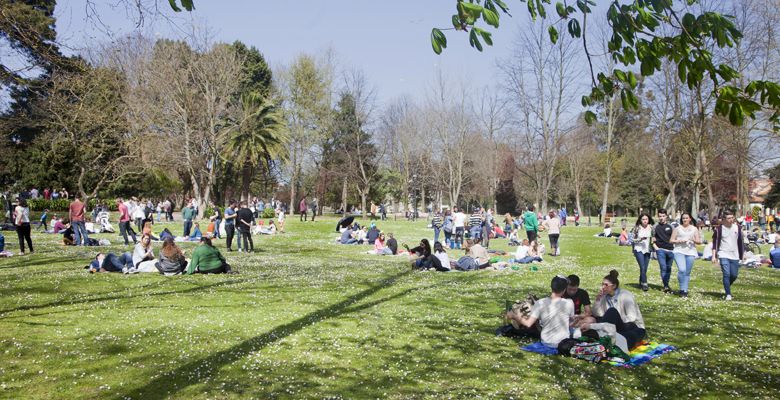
(211, 121)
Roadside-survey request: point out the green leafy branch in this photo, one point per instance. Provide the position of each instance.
(636, 38)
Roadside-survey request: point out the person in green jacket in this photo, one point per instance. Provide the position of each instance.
(206, 259)
(187, 214)
(531, 224)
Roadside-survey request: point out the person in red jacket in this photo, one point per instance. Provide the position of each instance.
(124, 221)
(77, 211)
(303, 208)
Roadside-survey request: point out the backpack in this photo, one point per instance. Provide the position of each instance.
(593, 352)
(447, 224)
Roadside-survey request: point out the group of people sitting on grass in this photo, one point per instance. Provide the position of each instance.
(355, 234)
(206, 259)
(568, 313)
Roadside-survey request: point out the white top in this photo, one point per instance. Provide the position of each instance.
(139, 253)
(459, 220)
(22, 215)
(728, 243)
(552, 225)
(623, 301)
(642, 239)
(771, 238)
(554, 316)
(521, 252)
(688, 248)
(138, 212)
(281, 216)
(443, 258)
(607, 232)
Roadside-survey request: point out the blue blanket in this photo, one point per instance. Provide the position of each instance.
(640, 354)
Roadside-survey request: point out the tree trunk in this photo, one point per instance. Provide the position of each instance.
(344, 197)
(246, 178)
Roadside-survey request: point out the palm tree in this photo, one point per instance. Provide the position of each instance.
(260, 136)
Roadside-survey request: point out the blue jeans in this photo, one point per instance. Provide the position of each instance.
(187, 227)
(216, 228)
(114, 263)
(526, 260)
(79, 233)
(684, 267)
(730, 270)
(643, 259)
(436, 232)
(458, 237)
(665, 261)
(475, 232)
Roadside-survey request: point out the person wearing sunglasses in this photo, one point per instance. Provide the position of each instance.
(617, 306)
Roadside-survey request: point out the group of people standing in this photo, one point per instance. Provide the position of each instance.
(304, 207)
(482, 226)
(677, 245)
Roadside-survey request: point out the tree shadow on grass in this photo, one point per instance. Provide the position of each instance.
(177, 380)
(30, 261)
(66, 302)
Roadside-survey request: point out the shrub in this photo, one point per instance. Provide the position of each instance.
(208, 212)
(64, 204)
(756, 212)
(268, 212)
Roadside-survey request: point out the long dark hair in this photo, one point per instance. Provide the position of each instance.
(426, 246)
(438, 248)
(649, 219)
(693, 220)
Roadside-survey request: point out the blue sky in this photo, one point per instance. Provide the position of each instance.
(388, 40)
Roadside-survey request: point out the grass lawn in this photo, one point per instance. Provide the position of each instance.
(307, 318)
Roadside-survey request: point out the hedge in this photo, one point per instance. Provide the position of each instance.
(64, 204)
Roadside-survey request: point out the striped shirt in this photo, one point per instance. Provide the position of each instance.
(437, 221)
(475, 219)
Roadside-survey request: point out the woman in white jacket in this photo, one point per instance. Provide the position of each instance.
(617, 306)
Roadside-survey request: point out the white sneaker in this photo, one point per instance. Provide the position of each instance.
(240, 251)
(125, 270)
(133, 270)
(728, 297)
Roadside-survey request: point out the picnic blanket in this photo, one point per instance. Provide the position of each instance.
(640, 354)
(643, 353)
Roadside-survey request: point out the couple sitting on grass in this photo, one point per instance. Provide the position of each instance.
(528, 252)
(568, 313)
(206, 259)
(423, 258)
(385, 246)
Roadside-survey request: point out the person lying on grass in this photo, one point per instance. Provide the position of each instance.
(111, 262)
(206, 259)
(617, 306)
(553, 315)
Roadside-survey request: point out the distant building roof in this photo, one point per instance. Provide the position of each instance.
(758, 189)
